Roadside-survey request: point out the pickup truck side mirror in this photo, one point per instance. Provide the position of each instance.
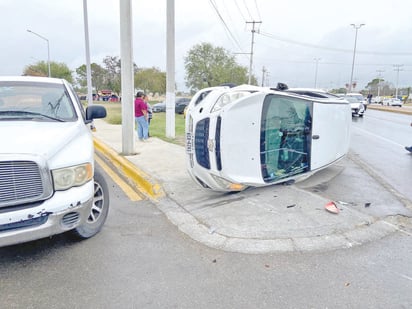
(94, 112)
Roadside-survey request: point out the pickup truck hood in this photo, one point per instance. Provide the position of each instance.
(42, 138)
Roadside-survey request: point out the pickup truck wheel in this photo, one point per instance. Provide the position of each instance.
(99, 211)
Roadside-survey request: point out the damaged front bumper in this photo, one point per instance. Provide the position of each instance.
(64, 211)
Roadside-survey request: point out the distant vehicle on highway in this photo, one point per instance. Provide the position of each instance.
(358, 109)
(377, 100)
(249, 136)
(392, 102)
(358, 96)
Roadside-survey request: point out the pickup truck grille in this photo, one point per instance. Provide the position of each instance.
(20, 182)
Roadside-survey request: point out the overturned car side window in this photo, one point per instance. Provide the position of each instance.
(285, 137)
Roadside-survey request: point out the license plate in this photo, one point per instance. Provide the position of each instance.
(189, 142)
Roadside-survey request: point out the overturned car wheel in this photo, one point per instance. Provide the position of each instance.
(99, 210)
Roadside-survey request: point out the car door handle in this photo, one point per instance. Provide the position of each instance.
(315, 136)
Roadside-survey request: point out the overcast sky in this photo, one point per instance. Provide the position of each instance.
(292, 34)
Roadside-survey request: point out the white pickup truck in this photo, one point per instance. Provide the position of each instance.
(48, 182)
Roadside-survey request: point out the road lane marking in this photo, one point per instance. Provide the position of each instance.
(127, 189)
(379, 137)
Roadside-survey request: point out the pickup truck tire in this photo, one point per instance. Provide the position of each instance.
(100, 209)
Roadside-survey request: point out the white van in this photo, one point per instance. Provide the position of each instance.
(256, 136)
(48, 182)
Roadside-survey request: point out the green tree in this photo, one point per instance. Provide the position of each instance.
(150, 80)
(113, 70)
(208, 66)
(57, 69)
(98, 76)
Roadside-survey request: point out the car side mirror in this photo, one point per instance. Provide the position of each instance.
(94, 112)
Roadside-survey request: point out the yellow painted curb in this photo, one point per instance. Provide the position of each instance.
(140, 179)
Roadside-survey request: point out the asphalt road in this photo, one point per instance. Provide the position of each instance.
(140, 260)
(379, 139)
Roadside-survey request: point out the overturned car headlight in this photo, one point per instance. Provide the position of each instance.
(73, 176)
(227, 98)
(229, 185)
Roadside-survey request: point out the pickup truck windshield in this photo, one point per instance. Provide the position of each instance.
(25, 101)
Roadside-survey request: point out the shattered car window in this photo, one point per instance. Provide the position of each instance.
(285, 131)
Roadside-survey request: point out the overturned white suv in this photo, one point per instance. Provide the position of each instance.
(256, 136)
(48, 182)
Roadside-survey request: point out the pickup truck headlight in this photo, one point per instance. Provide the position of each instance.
(73, 176)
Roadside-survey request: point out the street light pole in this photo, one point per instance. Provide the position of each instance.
(316, 71)
(354, 52)
(48, 48)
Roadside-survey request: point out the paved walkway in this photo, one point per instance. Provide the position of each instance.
(277, 218)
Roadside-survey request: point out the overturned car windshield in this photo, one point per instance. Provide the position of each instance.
(285, 137)
(25, 100)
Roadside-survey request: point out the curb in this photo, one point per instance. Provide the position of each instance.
(136, 177)
(399, 110)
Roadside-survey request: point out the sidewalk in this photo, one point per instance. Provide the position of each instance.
(262, 220)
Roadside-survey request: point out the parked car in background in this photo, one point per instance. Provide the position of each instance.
(159, 107)
(114, 98)
(48, 181)
(357, 107)
(180, 105)
(392, 102)
(249, 136)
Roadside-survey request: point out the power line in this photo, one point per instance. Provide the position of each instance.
(247, 9)
(278, 38)
(224, 24)
(240, 11)
(257, 10)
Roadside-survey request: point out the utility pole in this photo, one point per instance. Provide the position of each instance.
(251, 47)
(263, 75)
(127, 76)
(170, 69)
(397, 69)
(316, 71)
(379, 80)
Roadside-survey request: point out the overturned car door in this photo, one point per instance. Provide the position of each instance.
(330, 132)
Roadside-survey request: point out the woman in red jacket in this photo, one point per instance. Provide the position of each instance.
(141, 116)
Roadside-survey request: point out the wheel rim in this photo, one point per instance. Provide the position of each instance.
(98, 202)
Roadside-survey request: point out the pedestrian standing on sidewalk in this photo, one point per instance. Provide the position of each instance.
(410, 147)
(141, 117)
(149, 113)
